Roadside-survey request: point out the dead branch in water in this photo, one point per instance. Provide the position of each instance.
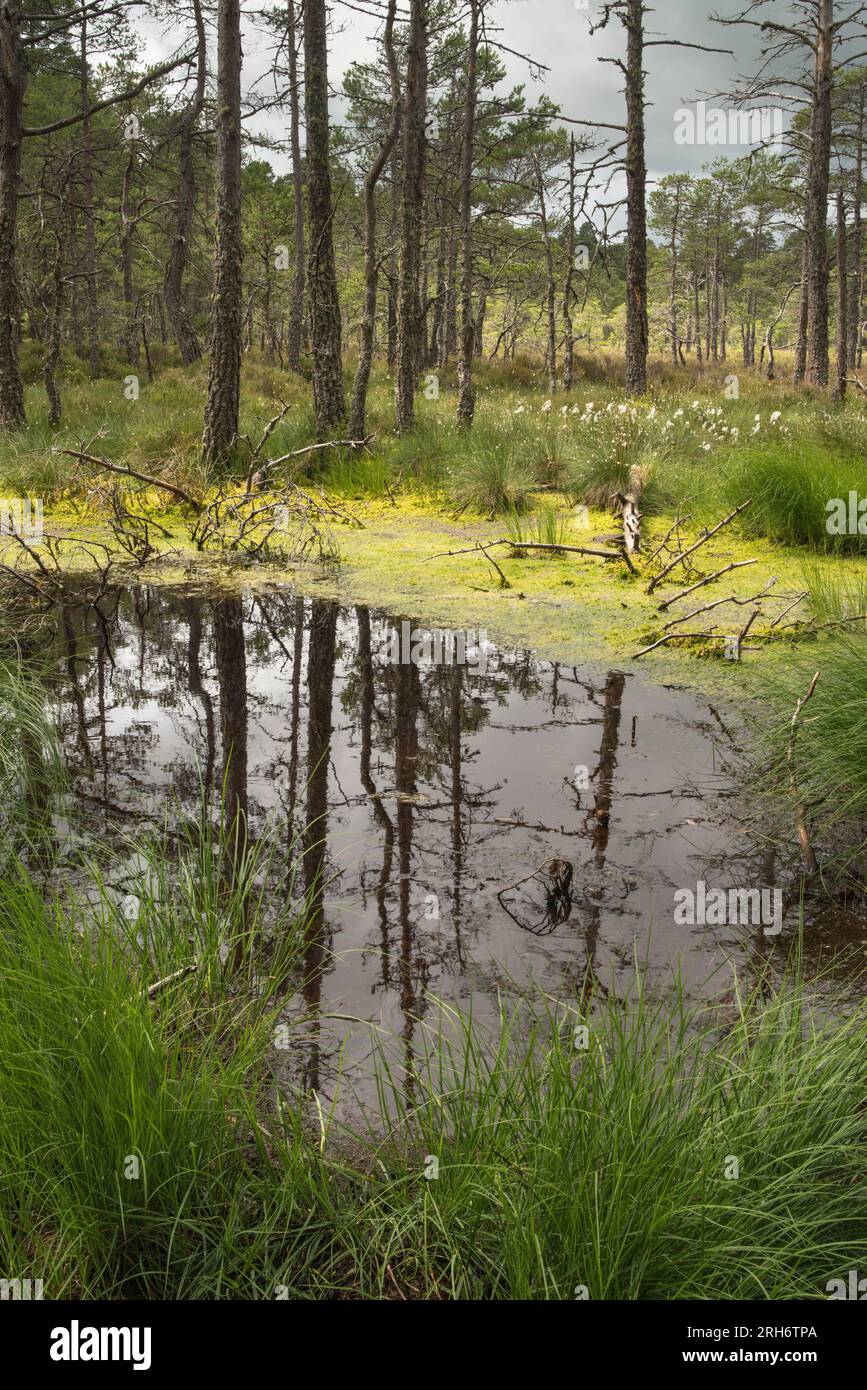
(811, 863)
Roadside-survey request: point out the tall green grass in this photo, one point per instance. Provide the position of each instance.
(611, 1167)
(791, 483)
(31, 766)
(826, 754)
(145, 1152)
(133, 1142)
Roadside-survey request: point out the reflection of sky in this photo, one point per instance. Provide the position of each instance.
(670, 810)
(520, 748)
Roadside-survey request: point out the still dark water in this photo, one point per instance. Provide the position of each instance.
(435, 788)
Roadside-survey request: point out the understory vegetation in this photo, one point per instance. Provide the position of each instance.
(146, 1153)
(152, 1147)
(695, 450)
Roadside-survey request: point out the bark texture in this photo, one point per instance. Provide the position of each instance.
(224, 369)
(409, 316)
(466, 393)
(185, 200)
(325, 327)
(13, 78)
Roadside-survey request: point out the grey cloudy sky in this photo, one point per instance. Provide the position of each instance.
(556, 34)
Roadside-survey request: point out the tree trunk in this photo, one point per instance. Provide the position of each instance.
(440, 299)
(54, 340)
(371, 267)
(90, 267)
(551, 297)
(800, 366)
(409, 318)
(325, 327)
(450, 335)
(182, 325)
(817, 200)
(636, 217)
(224, 368)
(568, 328)
(842, 300)
(130, 334)
(13, 79)
(466, 393)
(393, 238)
(854, 307)
(672, 289)
(295, 330)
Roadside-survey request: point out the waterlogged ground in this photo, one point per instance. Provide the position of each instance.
(436, 787)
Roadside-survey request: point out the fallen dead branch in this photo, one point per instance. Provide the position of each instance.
(504, 583)
(780, 616)
(702, 540)
(712, 636)
(155, 988)
(535, 545)
(327, 444)
(266, 435)
(663, 544)
(731, 598)
(140, 477)
(709, 579)
(811, 863)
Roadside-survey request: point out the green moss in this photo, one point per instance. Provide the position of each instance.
(568, 608)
